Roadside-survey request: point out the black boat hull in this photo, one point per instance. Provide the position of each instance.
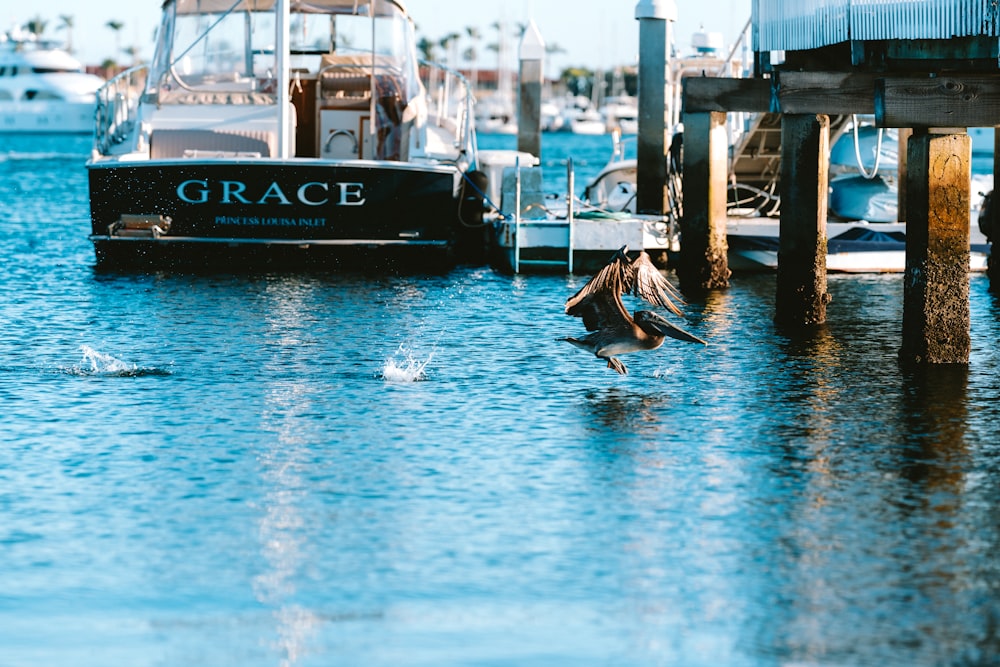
(275, 212)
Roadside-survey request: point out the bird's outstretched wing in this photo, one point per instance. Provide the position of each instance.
(652, 323)
(601, 311)
(612, 278)
(645, 281)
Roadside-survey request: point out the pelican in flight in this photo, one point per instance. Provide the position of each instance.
(615, 332)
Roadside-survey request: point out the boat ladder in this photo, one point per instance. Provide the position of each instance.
(549, 221)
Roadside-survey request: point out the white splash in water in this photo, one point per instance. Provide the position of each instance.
(105, 364)
(403, 367)
(99, 363)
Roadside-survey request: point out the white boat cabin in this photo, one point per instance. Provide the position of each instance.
(354, 89)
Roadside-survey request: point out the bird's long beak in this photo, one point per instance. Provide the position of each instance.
(665, 328)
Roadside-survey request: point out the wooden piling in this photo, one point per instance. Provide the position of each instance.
(901, 147)
(529, 112)
(801, 296)
(703, 263)
(651, 176)
(993, 222)
(936, 280)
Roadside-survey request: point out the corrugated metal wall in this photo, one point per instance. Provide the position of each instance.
(795, 25)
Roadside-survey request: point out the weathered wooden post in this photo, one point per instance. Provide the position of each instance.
(801, 296)
(703, 264)
(902, 143)
(936, 282)
(532, 74)
(651, 179)
(993, 222)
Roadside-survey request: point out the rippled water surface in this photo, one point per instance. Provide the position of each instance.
(379, 470)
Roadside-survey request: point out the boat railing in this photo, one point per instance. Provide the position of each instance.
(117, 107)
(451, 100)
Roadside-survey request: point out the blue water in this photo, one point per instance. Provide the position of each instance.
(280, 469)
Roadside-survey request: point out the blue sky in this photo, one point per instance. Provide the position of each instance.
(591, 33)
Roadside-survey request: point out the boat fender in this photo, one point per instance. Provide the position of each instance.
(474, 199)
(986, 216)
(676, 153)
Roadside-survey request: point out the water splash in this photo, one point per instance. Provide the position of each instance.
(97, 363)
(404, 367)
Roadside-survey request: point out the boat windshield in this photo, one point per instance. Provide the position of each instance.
(219, 46)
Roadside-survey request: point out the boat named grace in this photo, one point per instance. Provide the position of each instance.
(288, 131)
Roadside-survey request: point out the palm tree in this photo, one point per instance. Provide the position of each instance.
(117, 27)
(133, 53)
(67, 25)
(552, 49)
(426, 48)
(504, 83)
(448, 43)
(471, 55)
(36, 26)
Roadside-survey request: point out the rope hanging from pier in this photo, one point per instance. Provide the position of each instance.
(857, 151)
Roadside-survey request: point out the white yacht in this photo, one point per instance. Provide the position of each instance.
(43, 88)
(286, 132)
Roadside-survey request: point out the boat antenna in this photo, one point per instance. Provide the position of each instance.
(373, 90)
(282, 40)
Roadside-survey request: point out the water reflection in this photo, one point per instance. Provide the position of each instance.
(621, 410)
(283, 530)
(282, 527)
(934, 410)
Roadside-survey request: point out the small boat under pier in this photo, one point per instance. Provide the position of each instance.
(534, 232)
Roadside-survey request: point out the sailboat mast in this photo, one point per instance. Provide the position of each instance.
(281, 42)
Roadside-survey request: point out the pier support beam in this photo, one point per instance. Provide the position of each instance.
(801, 297)
(703, 263)
(902, 143)
(529, 111)
(654, 18)
(936, 281)
(993, 231)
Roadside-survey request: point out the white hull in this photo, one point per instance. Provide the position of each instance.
(535, 245)
(858, 262)
(753, 247)
(589, 127)
(43, 89)
(54, 117)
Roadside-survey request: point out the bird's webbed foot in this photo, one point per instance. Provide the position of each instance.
(617, 365)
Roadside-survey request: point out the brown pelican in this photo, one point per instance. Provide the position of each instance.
(599, 303)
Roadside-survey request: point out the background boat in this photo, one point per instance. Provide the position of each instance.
(43, 88)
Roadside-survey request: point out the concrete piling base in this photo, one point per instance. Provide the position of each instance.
(936, 280)
(703, 258)
(801, 296)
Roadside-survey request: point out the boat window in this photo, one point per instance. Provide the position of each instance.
(356, 33)
(55, 70)
(206, 55)
(227, 46)
(5, 96)
(40, 95)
